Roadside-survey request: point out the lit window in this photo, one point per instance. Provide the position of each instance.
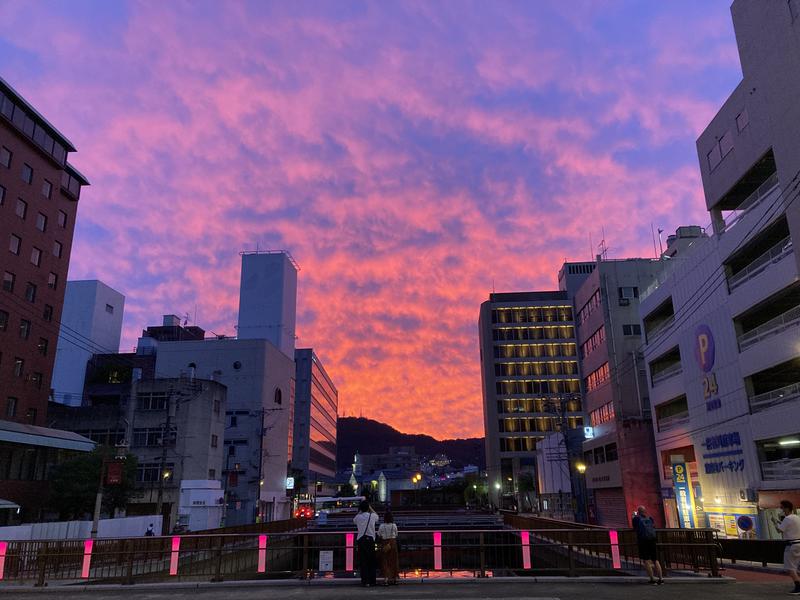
(14, 244)
(47, 189)
(27, 173)
(22, 208)
(41, 222)
(36, 256)
(5, 157)
(57, 249)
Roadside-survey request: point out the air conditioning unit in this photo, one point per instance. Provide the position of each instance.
(624, 301)
(747, 495)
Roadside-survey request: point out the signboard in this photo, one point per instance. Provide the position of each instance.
(727, 455)
(705, 355)
(325, 561)
(684, 498)
(114, 473)
(730, 526)
(290, 483)
(588, 433)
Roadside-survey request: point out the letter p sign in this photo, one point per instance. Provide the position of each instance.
(704, 348)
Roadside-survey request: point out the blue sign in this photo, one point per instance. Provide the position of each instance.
(684, 499)
(704, 351)
(744, 523)
(724, 440)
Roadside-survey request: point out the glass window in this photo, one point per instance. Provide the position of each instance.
(214, 441)
(629, 292)
(3, 320)
(14, 244)
(36, 256)
(714, 157)
(11, 407)
(5, 157)
(19, 366)
(2, 195)
(742, 120)
(41, 222)
(57, 248)
(109, 308)
(8, 281)
(27, 173)
(37, 379)
(47, 314)
(22, 208)
(611, 452)
(726, 144)
(52, 281)
(633, 329)
(30, 292)
(62, 218)
(42, 347)
(47, 189)
(24, 329)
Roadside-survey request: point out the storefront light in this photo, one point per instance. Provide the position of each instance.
(789, 442)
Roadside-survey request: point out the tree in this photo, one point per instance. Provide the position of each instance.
(526, 485)
(74, 484)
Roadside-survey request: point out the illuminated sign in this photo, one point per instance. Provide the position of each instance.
(684, 497)
(290, 483)
(588, 433)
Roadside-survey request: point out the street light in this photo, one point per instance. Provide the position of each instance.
(581, 467)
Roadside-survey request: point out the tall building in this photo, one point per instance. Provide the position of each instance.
(316, 407)
(91, 324)
(722, 328)
(39, 193)
(268, 299)
(531, 382)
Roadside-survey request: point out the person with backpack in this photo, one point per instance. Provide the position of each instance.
(646, 539)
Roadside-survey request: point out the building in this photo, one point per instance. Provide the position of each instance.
(316, 406)
(268, 299)
(91, 324)
(174, 427)
(531, 382)
(39, 193)
(722, 354)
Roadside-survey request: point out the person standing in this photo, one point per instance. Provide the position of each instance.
(646, 540)
(150, 531)
(365, 521)
(390, 561)
(789, 526)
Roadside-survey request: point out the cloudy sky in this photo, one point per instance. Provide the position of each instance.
(410, 155)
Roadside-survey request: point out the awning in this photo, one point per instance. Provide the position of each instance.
(32, 435)
(8, 504)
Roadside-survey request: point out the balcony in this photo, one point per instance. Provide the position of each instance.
(751, 202)
(775, 326)
(671, 422)
(774, 255)
(785, 468)
(772, 398)
(661, 318)
(667, 373)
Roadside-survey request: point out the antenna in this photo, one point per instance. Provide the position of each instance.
(591, 247)
(602, 245)
(660, 247)
(653, 232)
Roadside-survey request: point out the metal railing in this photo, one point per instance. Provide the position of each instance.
(775, 254)
(665, 374)
(785, 468)
(477, 553)
(672, 421)
(767, 400)
(753, 200)
(787, 320)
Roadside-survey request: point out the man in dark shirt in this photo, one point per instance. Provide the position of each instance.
(646, 539)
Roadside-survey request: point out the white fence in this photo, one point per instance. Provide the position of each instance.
(80, 530)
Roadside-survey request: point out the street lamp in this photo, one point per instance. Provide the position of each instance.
(581, 468)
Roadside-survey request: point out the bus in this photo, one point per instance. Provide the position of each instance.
(328, 504)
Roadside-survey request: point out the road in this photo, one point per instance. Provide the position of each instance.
(738, 590)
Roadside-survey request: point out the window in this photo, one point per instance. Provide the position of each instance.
(14, 244)
(726, 144)
(47, 314)
(8, 281)
(42, 347)
(151, 401)
(2, 195)
(212, 473)
(151, 436)
(57, 249)
(3, 320)
(24, 329)
(234, 422)
(591, 305)
(27, 173)
(47, 189)
(596, 378)
(214, 441)
(5, 157)
(30, 292)
(634, 329)
(629, 292)
(19, 366)
(714, 157)
(109, 308)
(52, 281)
(36, 379)
(599, 455)
(62, 219)
(36, 256)
(22, 208)
(742, 120)
(594, 342)
(41, 222)
(11, 407)
(611, 453)
(231, 450)
(602, 415)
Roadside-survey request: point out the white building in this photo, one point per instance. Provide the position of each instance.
(722, 329)
(90, 324)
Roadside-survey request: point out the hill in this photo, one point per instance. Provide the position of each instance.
(372, 437)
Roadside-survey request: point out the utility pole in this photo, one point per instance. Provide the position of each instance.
(166, 433)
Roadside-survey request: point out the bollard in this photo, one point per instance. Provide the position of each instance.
(262, 554)
(3, 549)
(613, 538)
(526, 549)
(348, 553)
(173, 559)
(437, 550)
(483, 556)
(87, 558)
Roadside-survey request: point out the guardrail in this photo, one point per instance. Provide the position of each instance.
(753, 200)
(775, 254)
(769, 399)
(784, 321)
(665, 374)
(479, 553)
(760, 551)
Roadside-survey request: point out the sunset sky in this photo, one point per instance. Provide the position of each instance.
(410, 155)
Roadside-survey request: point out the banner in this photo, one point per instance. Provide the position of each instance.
(684, 497)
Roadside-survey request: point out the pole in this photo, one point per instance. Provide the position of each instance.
(166, 432)
(98, 501)
(260, 469)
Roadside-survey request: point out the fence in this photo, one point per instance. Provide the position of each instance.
(479, 553)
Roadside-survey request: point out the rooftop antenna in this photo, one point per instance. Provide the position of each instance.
(602, 245)
(653, 232)
(493, 285)
(591, 247)
(660, 247)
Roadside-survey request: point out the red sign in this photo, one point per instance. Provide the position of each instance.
(233, 479)
(114, 473)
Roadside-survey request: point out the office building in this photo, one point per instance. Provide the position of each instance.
(39, 193)
(722, 328)
(315, 415)
(91, 324)
(531, 383)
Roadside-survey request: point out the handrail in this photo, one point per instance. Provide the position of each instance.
(766, 400)
(672, 421)
(753, 200)
(777, 252)
(790, 318)
(665, 374)
(785, 468)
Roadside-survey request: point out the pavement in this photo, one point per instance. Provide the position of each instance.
(543, 588)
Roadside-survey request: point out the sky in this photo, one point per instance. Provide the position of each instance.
(412, 156)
